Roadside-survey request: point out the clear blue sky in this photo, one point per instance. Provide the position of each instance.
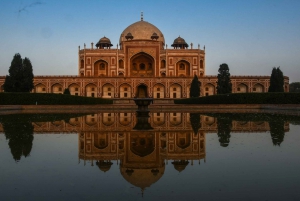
(250, 36)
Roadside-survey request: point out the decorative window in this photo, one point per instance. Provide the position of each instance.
(125, 95)
(125, 114)
(125, 89)
(109, 114)
(181, 66)
(59, 89)
(238, 89)
(158, 113)
(102, 66)
(142, 66)
(206, 88)
(108, 89)
(44, 89)
(76, 89)
(254, 88)
(174, 89)
(158, 89)
(174, 113)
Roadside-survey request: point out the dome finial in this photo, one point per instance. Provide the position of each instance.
(142, 16)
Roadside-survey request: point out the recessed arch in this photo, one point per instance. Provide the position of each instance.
(183, 140)
(40, 88)
(121, 63)
(158, 91)
(142, 91)
(258, 88)
(183, 68)
(241, 88)
(108, 119)
(108, 91)
(101, 68)
(91, 90)
(175, 91)
(142, 65)
(74, 89)
(125, 91)
(125, 118)
(163, 63)
(142, 144)
(175, 118)
(209, 89)
(57, 88)
(101, 140)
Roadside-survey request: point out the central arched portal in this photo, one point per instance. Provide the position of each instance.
(142, 91)
(142, 65)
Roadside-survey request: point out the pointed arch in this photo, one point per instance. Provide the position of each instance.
(57, 88)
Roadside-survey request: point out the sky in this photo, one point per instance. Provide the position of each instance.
(250, 36)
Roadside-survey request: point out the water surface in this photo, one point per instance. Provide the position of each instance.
(184, 156)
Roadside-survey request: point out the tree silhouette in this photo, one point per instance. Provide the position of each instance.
(20, 136)
(224, 129)
(20, 78)
(67, 91)
(276, 81)
(195, 87)
(224, 85)
(277, 131)
(195, 121)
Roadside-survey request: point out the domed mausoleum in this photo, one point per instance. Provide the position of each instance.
(142, 63)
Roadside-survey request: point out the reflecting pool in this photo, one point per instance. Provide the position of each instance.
(166, 156)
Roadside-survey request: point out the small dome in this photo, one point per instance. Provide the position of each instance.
(180, 165)
(179, 42)
(104, 165)
(105, 42)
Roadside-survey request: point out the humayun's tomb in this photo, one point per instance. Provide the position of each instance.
(143, 63)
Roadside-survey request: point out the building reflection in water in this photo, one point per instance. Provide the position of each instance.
(142, 154)
(176, 138)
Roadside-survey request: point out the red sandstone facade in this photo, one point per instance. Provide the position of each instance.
(142, 64)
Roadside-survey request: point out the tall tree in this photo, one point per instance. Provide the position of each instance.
(195, 87)
(276, 80)
(224, 85)
(20, 78)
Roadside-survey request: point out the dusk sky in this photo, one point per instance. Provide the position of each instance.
(251, 36)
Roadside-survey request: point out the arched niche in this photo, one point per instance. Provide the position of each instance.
(158, 118)
(258, 88)
(74, 89)
(183, 140)
(57, 88)
(182, 68)
(158, 91)
(142, 91)
(163, 63)
(125, 91)
(175, 118)
(40, 88)
(121, 63)
(175, 91)
(100, 140)
(91, 90)
(142, 65)
(142, 144)
(242, 88)
(100, 68)
(209, 89)
(108, 119)
(125, 118)
(108, 91)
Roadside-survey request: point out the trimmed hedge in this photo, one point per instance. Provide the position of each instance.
(48, 99)
(244, 98)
